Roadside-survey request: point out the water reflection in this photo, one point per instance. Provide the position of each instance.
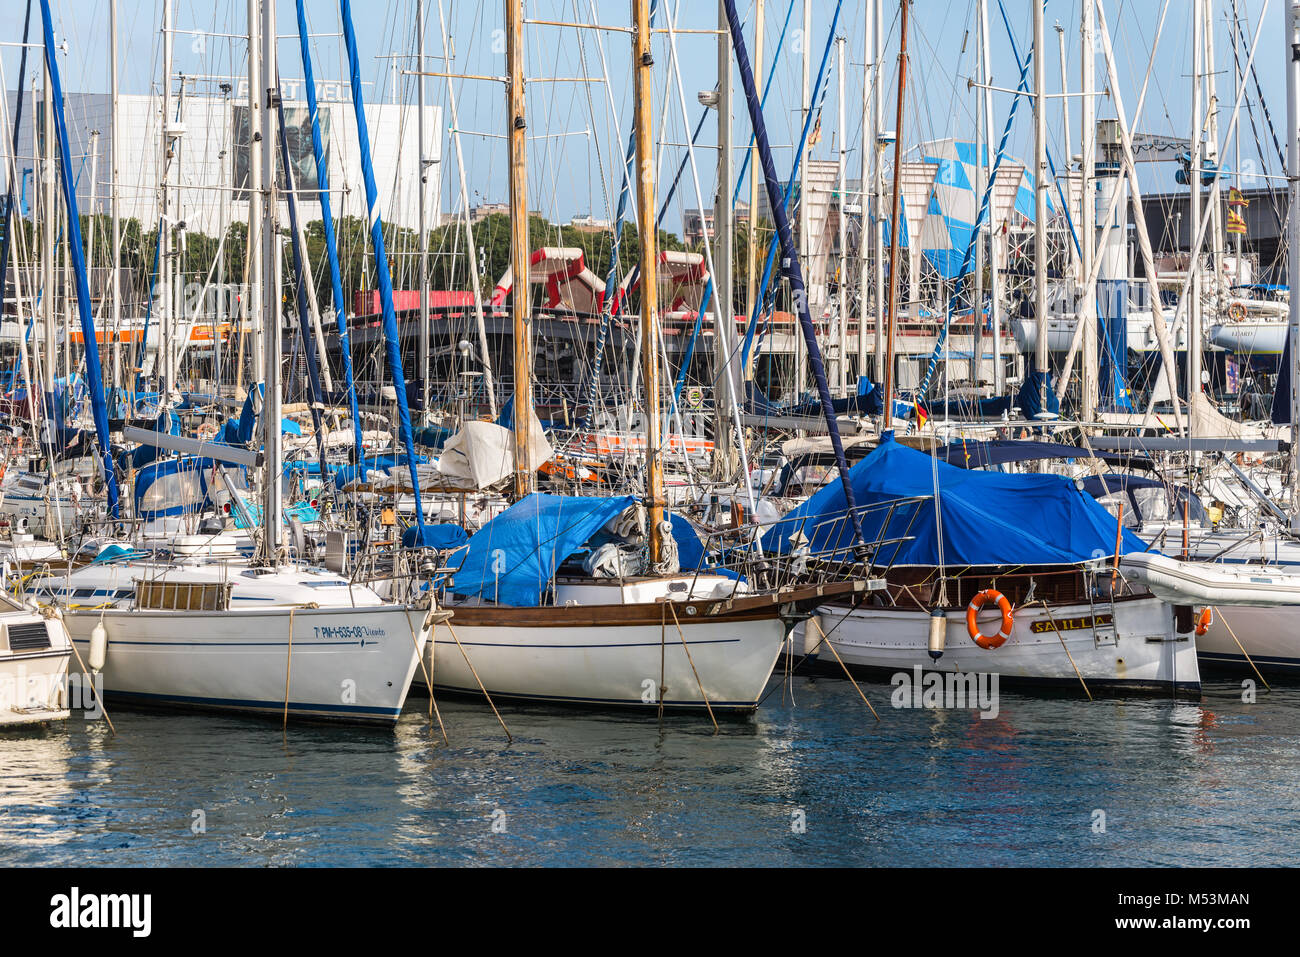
(816, 780)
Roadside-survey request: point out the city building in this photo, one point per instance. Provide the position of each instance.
(209, 136)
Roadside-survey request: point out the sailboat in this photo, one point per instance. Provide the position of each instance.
(644, 627)
(972, 588)
(199, 626)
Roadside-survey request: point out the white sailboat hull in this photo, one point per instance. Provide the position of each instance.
(613, 664)
(1250, 337)
(1270, 636)
(33, 679)
(1141, 653)
(329, 664)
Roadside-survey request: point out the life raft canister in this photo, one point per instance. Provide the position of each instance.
(973, 628)
(1204, 621)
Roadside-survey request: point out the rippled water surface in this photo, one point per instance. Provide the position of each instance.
(1213, 782)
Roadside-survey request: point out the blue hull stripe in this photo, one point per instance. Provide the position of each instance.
(244, 704)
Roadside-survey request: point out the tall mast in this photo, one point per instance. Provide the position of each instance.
(894, 229)
(1237, 80)
(724, 289)
(269, 99)
(646, 205)
(253, 295)
(995, 249)
(842, 285)
(421, 180)
(805, 210)
(49, 349)
(751, 247)
(1194, 200)
(1088, 209)
(877, 16)
(1291, 41)
(867, 192)
(1211, 155)
(521, 293)
(165, 231)
(1040, 202)
(115, 289)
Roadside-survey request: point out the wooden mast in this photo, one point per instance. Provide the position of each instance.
(643, 60)
(521, 290)
(893, 220)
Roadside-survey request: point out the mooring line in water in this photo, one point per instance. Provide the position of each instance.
(428, 675)
(851, 681)
(419, 656)
(698, 683)
(1241, 646)
(509, 737)
(1043, 602)
(825, 634)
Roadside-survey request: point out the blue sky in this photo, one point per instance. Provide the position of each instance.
(576, 154)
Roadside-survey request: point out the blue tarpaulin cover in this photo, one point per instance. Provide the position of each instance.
(344, 475)
(979, 455)
(988, 518)
(512, 558)
(1029, 396)
(434, 536)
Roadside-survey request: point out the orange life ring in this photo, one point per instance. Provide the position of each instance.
(1204, 622)
(1236, 312)
(978, 602)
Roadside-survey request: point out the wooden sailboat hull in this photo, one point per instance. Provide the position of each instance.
(622, 656)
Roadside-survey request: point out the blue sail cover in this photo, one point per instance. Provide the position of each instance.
(77, 253)
(988, 518)
(512, 558)
(392, 340)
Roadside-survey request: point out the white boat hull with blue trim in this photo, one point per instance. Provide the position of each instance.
(1254, 617)
(216, 635)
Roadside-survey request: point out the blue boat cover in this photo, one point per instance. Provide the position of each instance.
(691, 554)
(866, 402)
(443, 537)
(978, 455)
(344, 475)
(512, 558)
(988, 518)
(1029, 395)
(1110, 483)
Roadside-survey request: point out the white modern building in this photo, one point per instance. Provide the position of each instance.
(210, 136)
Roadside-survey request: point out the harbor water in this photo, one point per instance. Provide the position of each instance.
(813, 781)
